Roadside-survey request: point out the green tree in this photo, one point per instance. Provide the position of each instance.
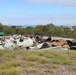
(1, 27)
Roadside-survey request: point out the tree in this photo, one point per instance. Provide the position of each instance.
(1, 27)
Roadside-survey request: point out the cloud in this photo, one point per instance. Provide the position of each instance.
(68, 3)
(57, 19)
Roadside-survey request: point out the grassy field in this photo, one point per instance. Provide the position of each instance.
(45, 62)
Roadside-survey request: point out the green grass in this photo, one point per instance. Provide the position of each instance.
(41, 62)
(12, 71)
(13, 63)
(35, 58)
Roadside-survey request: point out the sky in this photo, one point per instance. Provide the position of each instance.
(38, 12)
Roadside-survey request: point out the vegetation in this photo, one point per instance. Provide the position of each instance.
(45, 62)
(47, 30)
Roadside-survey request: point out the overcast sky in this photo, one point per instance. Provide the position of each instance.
(35, 12)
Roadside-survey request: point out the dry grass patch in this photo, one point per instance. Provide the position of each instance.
(31, 69)
(51, 66)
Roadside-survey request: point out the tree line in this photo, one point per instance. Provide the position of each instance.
(44, 30)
